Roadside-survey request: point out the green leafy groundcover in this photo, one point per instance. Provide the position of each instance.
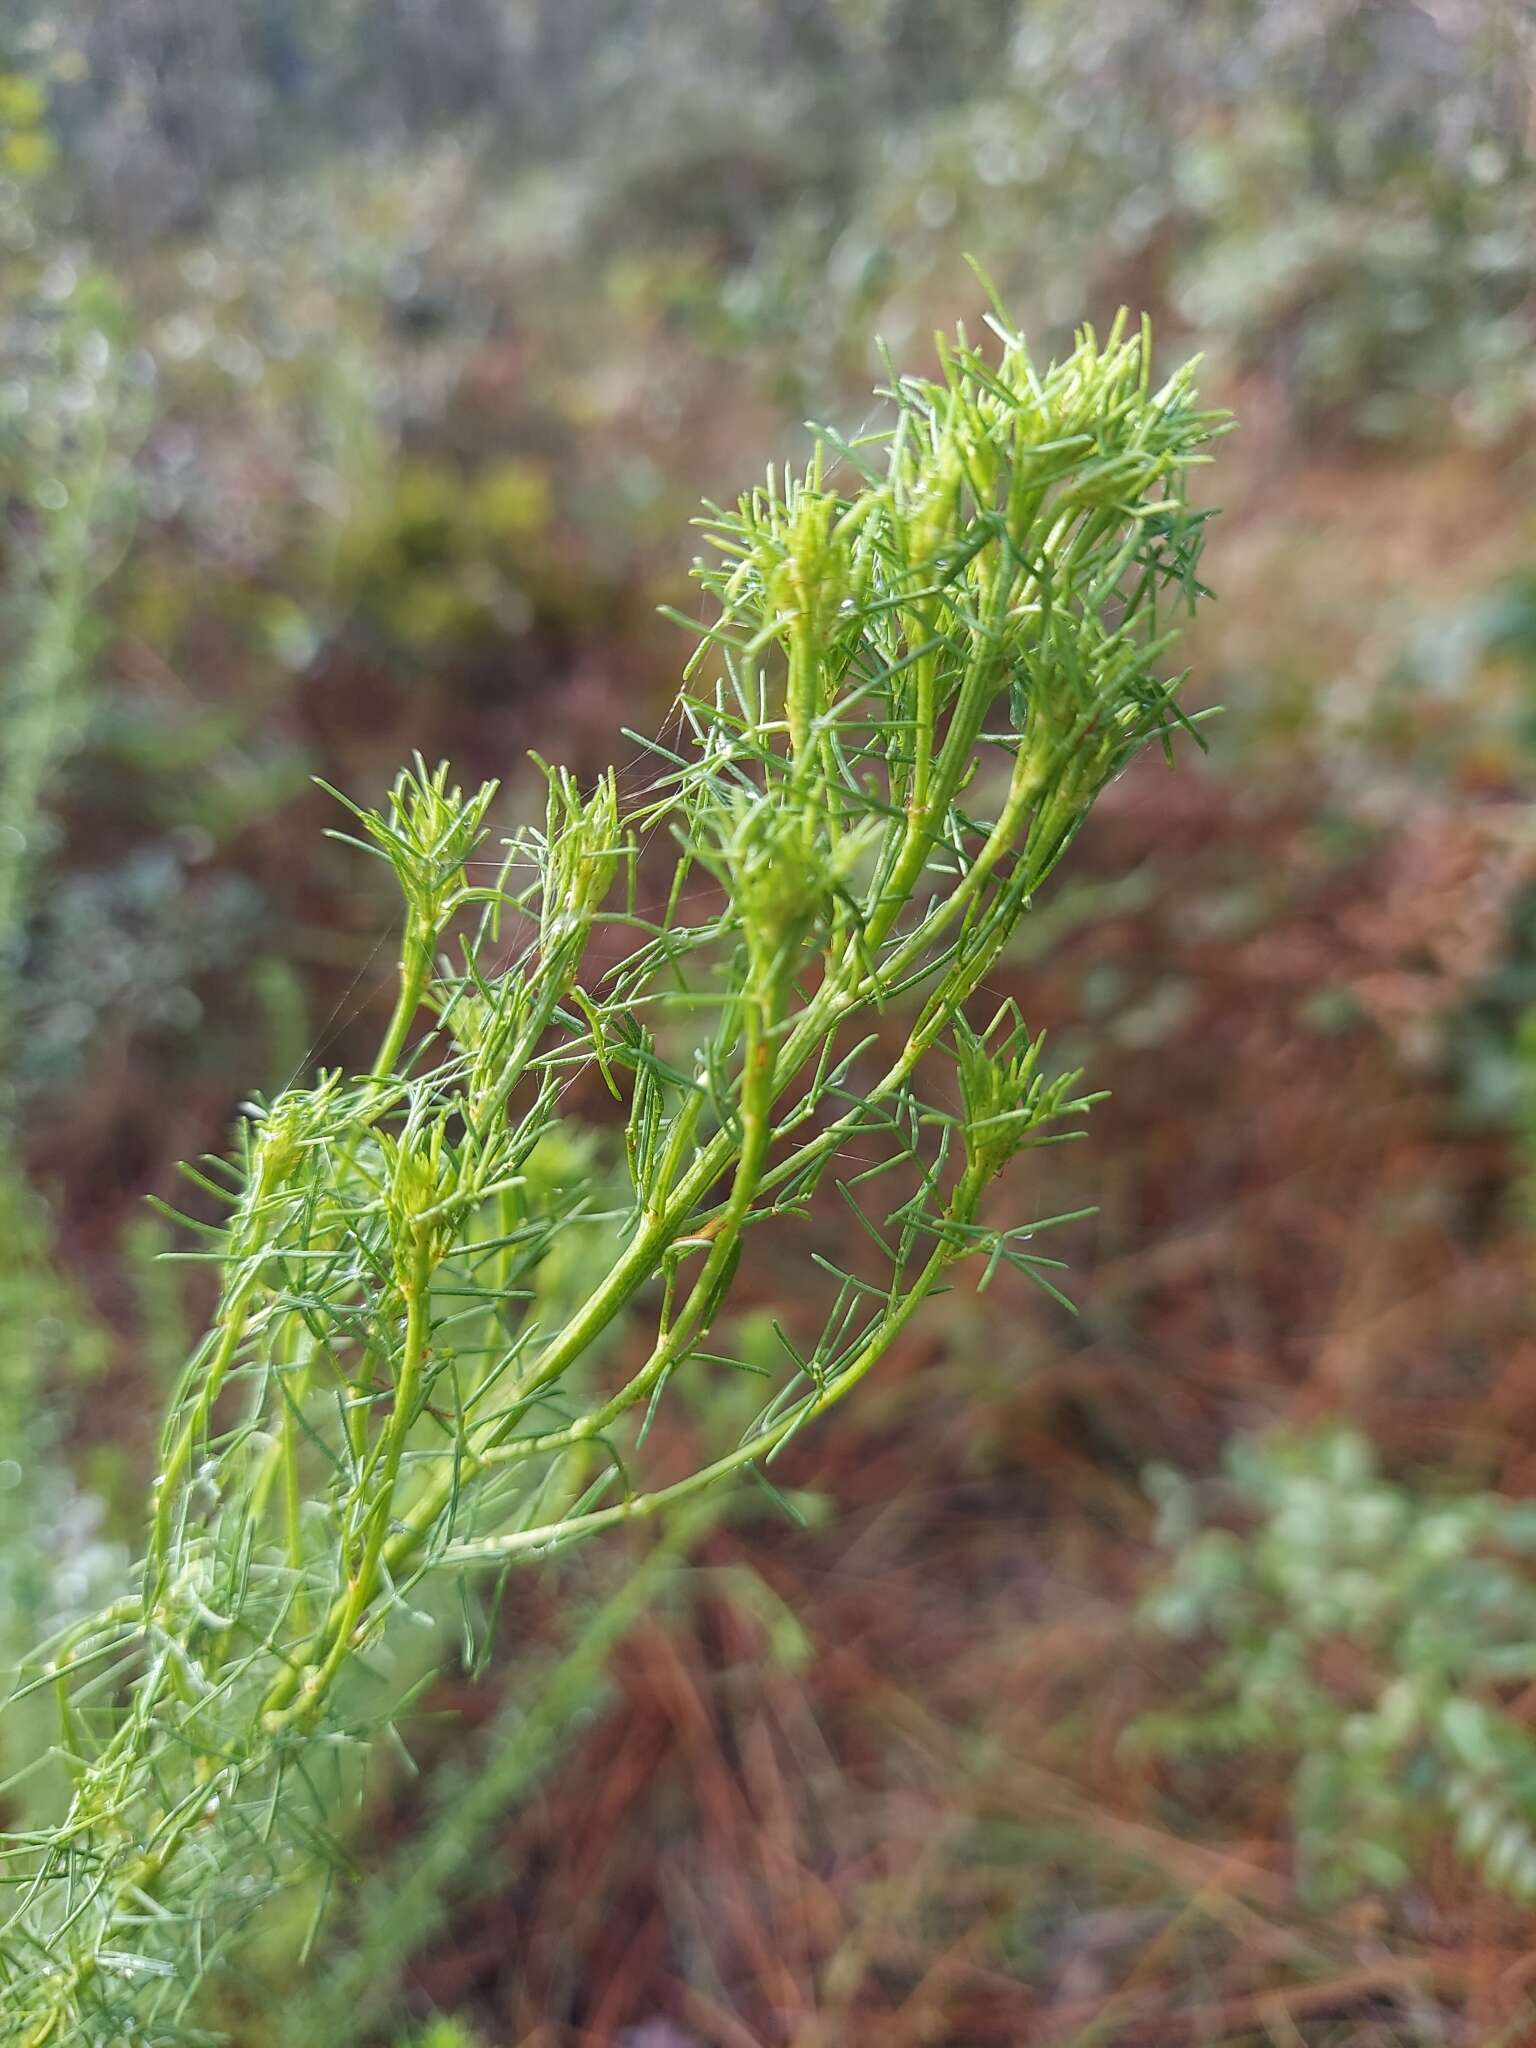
(1429, 1596)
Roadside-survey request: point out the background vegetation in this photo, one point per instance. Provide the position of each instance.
(361, 368)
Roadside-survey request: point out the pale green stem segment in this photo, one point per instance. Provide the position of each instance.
(756, 1449)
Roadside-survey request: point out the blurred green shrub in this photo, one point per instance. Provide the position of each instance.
(1338, 193)
(440, 559)
(69, 419)
(126, 948)
(1372, 1638)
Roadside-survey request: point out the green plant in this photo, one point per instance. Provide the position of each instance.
(930, 653)
(443, 2034)
(69, 420)
(1374, 1638)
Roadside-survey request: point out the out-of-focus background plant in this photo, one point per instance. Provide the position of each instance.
(360, 368)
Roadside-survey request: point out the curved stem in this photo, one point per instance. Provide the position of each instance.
(521, 1542)
(415, 977)
(281, 1705)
